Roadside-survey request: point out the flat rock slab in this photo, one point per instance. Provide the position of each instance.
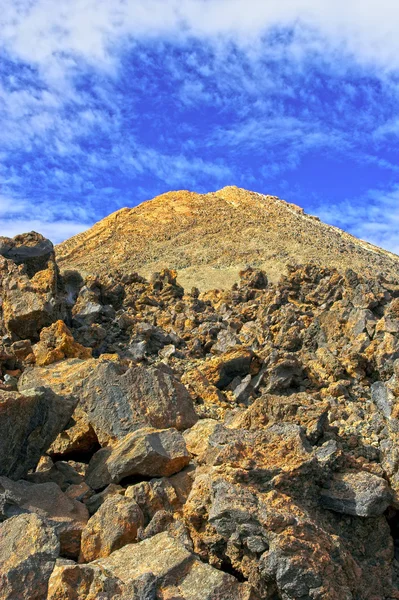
(146, 452)
(361, 494)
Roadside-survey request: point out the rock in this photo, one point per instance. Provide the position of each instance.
(154, 496)
(177, 572)
(114, 400)
(29, 285)
(253, 278)
(221, 370)
(57, 343)
(357, 493)
(29, 423)
(30, 249)
(114, 525)
(70, 581)
(146, 452)
(384, 399)
(29, 548)
(67, 516)
(78, 437)
(97, 500)
(197, 437)
(121, 402)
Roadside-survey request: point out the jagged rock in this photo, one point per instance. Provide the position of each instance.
(146, 452)
(29, 424)
(221, 370)
(57, 343)
(67, 516)
(154, 496)
(78, 437)
(300, 409)
(29, 548)
(29, 285)
(197, 437)
(357, 493)
(114, 525)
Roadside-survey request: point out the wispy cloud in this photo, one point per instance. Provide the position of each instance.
(373, 217)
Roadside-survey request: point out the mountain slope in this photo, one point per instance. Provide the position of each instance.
(208, 238)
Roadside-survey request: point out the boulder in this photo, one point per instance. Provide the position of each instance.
(361, 494)
(29, 423)
(29, 548)
(177, 572)
(29, 285)
(115, 400)
(67, 517)
(121, 402)
(147, 452)
(114, 525)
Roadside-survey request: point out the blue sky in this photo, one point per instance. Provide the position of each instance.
(106, 104)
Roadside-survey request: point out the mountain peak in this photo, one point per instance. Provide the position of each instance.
(210, 237)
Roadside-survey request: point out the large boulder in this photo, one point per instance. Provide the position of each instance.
(29, 548)
(68, 517)
(29, 423)
(146, 452)
(121, 402)
(115, 400)
(177, 573)
(29, 280)
(159, 567)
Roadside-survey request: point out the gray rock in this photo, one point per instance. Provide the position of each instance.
(357, 493)
(28, 550)
(119, 403)
(383, 398)
(146, 452)
(29, 423)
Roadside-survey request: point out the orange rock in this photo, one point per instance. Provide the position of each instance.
(57, 343)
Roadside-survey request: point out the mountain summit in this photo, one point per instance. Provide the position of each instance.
(208, 238)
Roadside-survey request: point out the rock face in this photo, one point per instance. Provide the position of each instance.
(28, 551)
(162, 443)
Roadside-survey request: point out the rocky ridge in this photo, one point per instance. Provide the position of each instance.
(163, 443)
(209, 238)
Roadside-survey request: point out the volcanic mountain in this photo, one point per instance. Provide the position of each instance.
(208, 238)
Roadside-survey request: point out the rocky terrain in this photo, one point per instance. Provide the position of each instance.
(209, 238)
(161, 443)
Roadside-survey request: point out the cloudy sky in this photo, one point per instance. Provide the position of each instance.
(104, 104)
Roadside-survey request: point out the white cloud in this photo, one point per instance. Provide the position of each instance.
(51, 33)
(374, 218)
(56, 231)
